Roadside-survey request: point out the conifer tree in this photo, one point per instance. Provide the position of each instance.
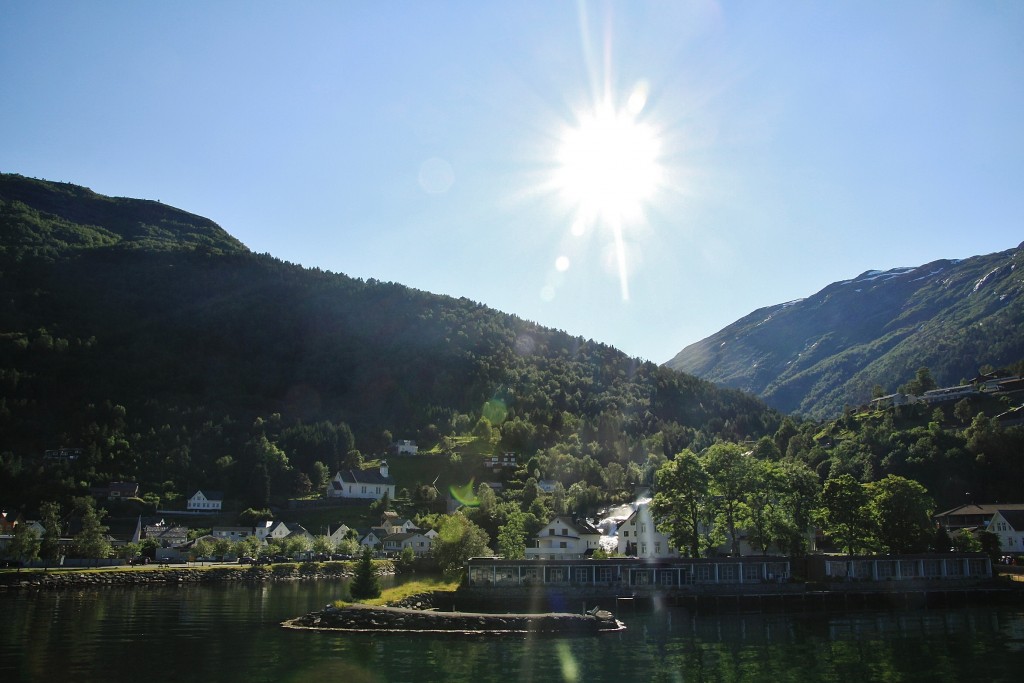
(365, 583)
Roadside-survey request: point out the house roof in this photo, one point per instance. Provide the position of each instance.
(983, 509)
(580, 526)
(365, 477)
(398, 538)
(209, 493)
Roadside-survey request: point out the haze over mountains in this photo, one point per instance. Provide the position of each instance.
(816, 355)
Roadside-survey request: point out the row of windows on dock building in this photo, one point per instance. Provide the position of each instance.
(679, 573)
(617, 572)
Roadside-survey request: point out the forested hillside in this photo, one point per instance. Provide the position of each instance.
(171, 354)
(872, 333)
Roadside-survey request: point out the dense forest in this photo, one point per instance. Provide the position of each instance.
(173, 356)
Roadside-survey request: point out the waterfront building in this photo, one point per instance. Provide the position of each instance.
(619, 573)
(972, 516)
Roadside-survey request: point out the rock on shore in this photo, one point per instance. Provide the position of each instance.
(363, 618)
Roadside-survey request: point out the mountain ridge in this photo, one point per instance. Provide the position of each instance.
(816, 354)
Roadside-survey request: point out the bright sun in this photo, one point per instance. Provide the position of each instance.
(608, 164)
(607, 169)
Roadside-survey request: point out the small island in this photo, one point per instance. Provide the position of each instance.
(373, 619)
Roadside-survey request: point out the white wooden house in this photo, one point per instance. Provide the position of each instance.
(394, 544)
(565, 539)
(639, 536)
(206, 501)
(338, 535)
(362, 484)
(1008, 525)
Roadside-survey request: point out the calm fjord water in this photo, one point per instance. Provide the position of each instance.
(232, 633)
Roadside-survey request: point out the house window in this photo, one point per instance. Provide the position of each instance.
(565, 532)
(643, 548)
(364, 489)
(657, 547)
(563, 544)
(551, 532)
(581, 575)
(625, 534)
(604, 574)
(643, 528)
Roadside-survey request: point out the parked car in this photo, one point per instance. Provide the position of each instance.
(245, 559)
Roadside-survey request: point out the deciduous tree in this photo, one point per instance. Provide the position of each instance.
(844, 514)
(682, 502)
(458, 540)
(902, 511)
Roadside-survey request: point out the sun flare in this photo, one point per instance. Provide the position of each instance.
(607, 166)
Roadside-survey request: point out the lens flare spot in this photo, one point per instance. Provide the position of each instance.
(525, 345)
(568, 664)
(464, 494)
(436, 176)
(547, 293)
(562, 264)
(637, 99)
(496, 411)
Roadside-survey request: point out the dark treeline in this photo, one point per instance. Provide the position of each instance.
(173, 356)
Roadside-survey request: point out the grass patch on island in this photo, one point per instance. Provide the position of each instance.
(407, 589)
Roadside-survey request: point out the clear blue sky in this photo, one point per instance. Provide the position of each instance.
(788, 144)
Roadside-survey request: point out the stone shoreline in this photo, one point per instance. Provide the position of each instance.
(164, 577)
(367, 619)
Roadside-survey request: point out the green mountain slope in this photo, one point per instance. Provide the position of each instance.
(817, 354)
(171, 354)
